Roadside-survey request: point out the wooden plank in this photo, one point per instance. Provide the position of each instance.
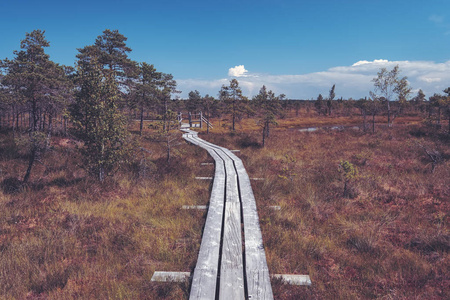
(257, 282)
(294, 279)
(275, 207)
(201, 284)
(258, 279)
(231, 274)
(162, 276)
(231, 269)
(204, 280)
(199, 207)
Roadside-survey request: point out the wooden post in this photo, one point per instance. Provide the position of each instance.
(201, 120)
(190, 119)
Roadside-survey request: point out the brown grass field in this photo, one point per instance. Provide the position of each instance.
(65, 236)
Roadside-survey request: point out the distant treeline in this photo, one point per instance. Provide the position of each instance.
(97, 99)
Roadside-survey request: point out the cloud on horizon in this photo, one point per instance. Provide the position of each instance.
(353, 81)
(238, 71)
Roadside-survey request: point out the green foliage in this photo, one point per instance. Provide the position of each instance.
(330, 99)
(349, 172)
(34, 141)
(267, 106)
(318, 104)
(167, 132)
(37, 85)
(288, 170)
(235, 102)
(194, 102)
(387, 83)
(146, 91)
(98, 122)
(112, 51)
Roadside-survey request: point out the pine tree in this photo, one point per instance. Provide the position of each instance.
(113, 55)
(39, 84)
(146, 91)
(235, 102)
(268, 107)
(319, 104)
(330, 99)
(98, 121)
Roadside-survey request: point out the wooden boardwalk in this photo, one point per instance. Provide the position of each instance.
(231, 262)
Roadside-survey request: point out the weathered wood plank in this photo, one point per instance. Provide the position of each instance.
(238, 192)
(198, 207)
(231, 269)
(204, 280)
(162, 276)
(201, 284)
(294, 279)
(258, 279)
(257, 282)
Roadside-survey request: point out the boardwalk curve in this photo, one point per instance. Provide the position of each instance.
(231, 262)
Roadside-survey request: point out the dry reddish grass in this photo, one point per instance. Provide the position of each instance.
(388, 239)
(305, 119)
(65, 236)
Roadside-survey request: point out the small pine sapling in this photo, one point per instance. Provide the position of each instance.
(288, 171)
(349, 172)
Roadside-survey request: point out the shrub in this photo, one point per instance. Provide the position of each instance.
(349, 172)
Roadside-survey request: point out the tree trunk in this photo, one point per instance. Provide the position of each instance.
(264, 136)
(168, 149)
(34, 116)
(345, 188)
(439, 118)
(17, 119)
(207, 124)
(364, 122)
(30, 165)
(389, 113)
(234, 114)
(373, 122)
(141, 125)
(50, 130)
(165, 114)
(65, 126)
(448, 112)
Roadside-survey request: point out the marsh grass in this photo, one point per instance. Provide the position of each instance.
(389, 240)
(65, 236)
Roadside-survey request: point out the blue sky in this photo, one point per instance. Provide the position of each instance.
(299, 48)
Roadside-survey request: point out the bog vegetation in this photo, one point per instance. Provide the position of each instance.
(94, 173)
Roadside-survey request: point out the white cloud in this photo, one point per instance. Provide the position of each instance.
(351, 81)
(429, 79)
(365, 62)
(238, 71)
